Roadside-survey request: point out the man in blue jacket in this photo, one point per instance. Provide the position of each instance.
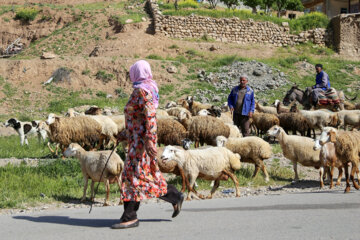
(241, 102)
(322, 83)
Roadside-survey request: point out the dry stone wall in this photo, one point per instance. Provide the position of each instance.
(346, 29)
(231, 29)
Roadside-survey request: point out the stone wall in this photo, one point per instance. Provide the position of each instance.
(346, 29)
(231, 29)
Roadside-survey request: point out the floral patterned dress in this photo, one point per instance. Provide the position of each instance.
(141, 177)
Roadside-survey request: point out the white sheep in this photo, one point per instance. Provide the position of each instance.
(265, 109)
(93, 164)
(179, 112)
(297, 149)
(251, 150)
(234, 131)
(349, 117)
(213, 163)
(109, 129)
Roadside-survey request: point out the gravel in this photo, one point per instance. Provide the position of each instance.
(261, 77)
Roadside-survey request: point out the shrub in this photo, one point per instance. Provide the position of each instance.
(26, 14)
(181, 5)
(101, 94)
(104, 76)
(154, 56)
(309, 21)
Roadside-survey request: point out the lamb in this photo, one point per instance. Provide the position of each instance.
(170, 132)
(264, 121)
(347, 149)
(294, 122)
(265, 109)
(329, 160)
(93, 165)
(179, 112)
(349, 117)
(251, 149)
(297, 149)
(204, 129)
(81, 129)
(170, 104)
(213, 163)
(170, 167)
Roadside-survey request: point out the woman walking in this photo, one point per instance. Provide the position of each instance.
(141, 178)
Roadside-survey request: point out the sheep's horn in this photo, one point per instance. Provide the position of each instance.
(350, 99)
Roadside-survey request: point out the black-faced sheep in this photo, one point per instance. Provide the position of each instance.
(347, 149)
(251, 149)
(213, 163)
(92, 166)
(297, 149)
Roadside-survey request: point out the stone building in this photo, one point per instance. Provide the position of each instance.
(332, 7)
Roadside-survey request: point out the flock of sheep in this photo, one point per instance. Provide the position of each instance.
(187, 121)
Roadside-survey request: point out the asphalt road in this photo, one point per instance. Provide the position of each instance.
(319, 215)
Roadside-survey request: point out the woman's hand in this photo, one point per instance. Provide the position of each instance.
(150, 148)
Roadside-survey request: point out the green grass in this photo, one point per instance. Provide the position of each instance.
(104, 76)
(134, 16)
(306, 22)
(11, 146)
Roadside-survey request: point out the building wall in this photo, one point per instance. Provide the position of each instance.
(346, 29)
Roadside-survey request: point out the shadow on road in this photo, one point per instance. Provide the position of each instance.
(99, 223)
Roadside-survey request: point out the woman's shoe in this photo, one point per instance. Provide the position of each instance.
(122, 226)
(177, 209)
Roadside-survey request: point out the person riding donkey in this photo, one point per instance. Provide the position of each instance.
(322, 84)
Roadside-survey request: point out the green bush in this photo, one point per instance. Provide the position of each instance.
(306, 22)
(104, 76)
(309, 21)
(154, 56)
(26, 14)
(181, 5)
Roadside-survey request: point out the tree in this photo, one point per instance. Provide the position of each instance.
(253, 4)
(231, 3)
(213, 3)
(266, 5)
(280, 5)
(294, 5)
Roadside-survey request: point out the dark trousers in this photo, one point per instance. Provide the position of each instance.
(243, 123)
(172, 196)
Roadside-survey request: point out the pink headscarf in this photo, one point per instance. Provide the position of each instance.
(140, 75)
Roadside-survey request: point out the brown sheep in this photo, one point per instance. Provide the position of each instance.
(205, 129)
(294, 122)
(170, 132)
(347, 149)
(81, 129)
(264, 121)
